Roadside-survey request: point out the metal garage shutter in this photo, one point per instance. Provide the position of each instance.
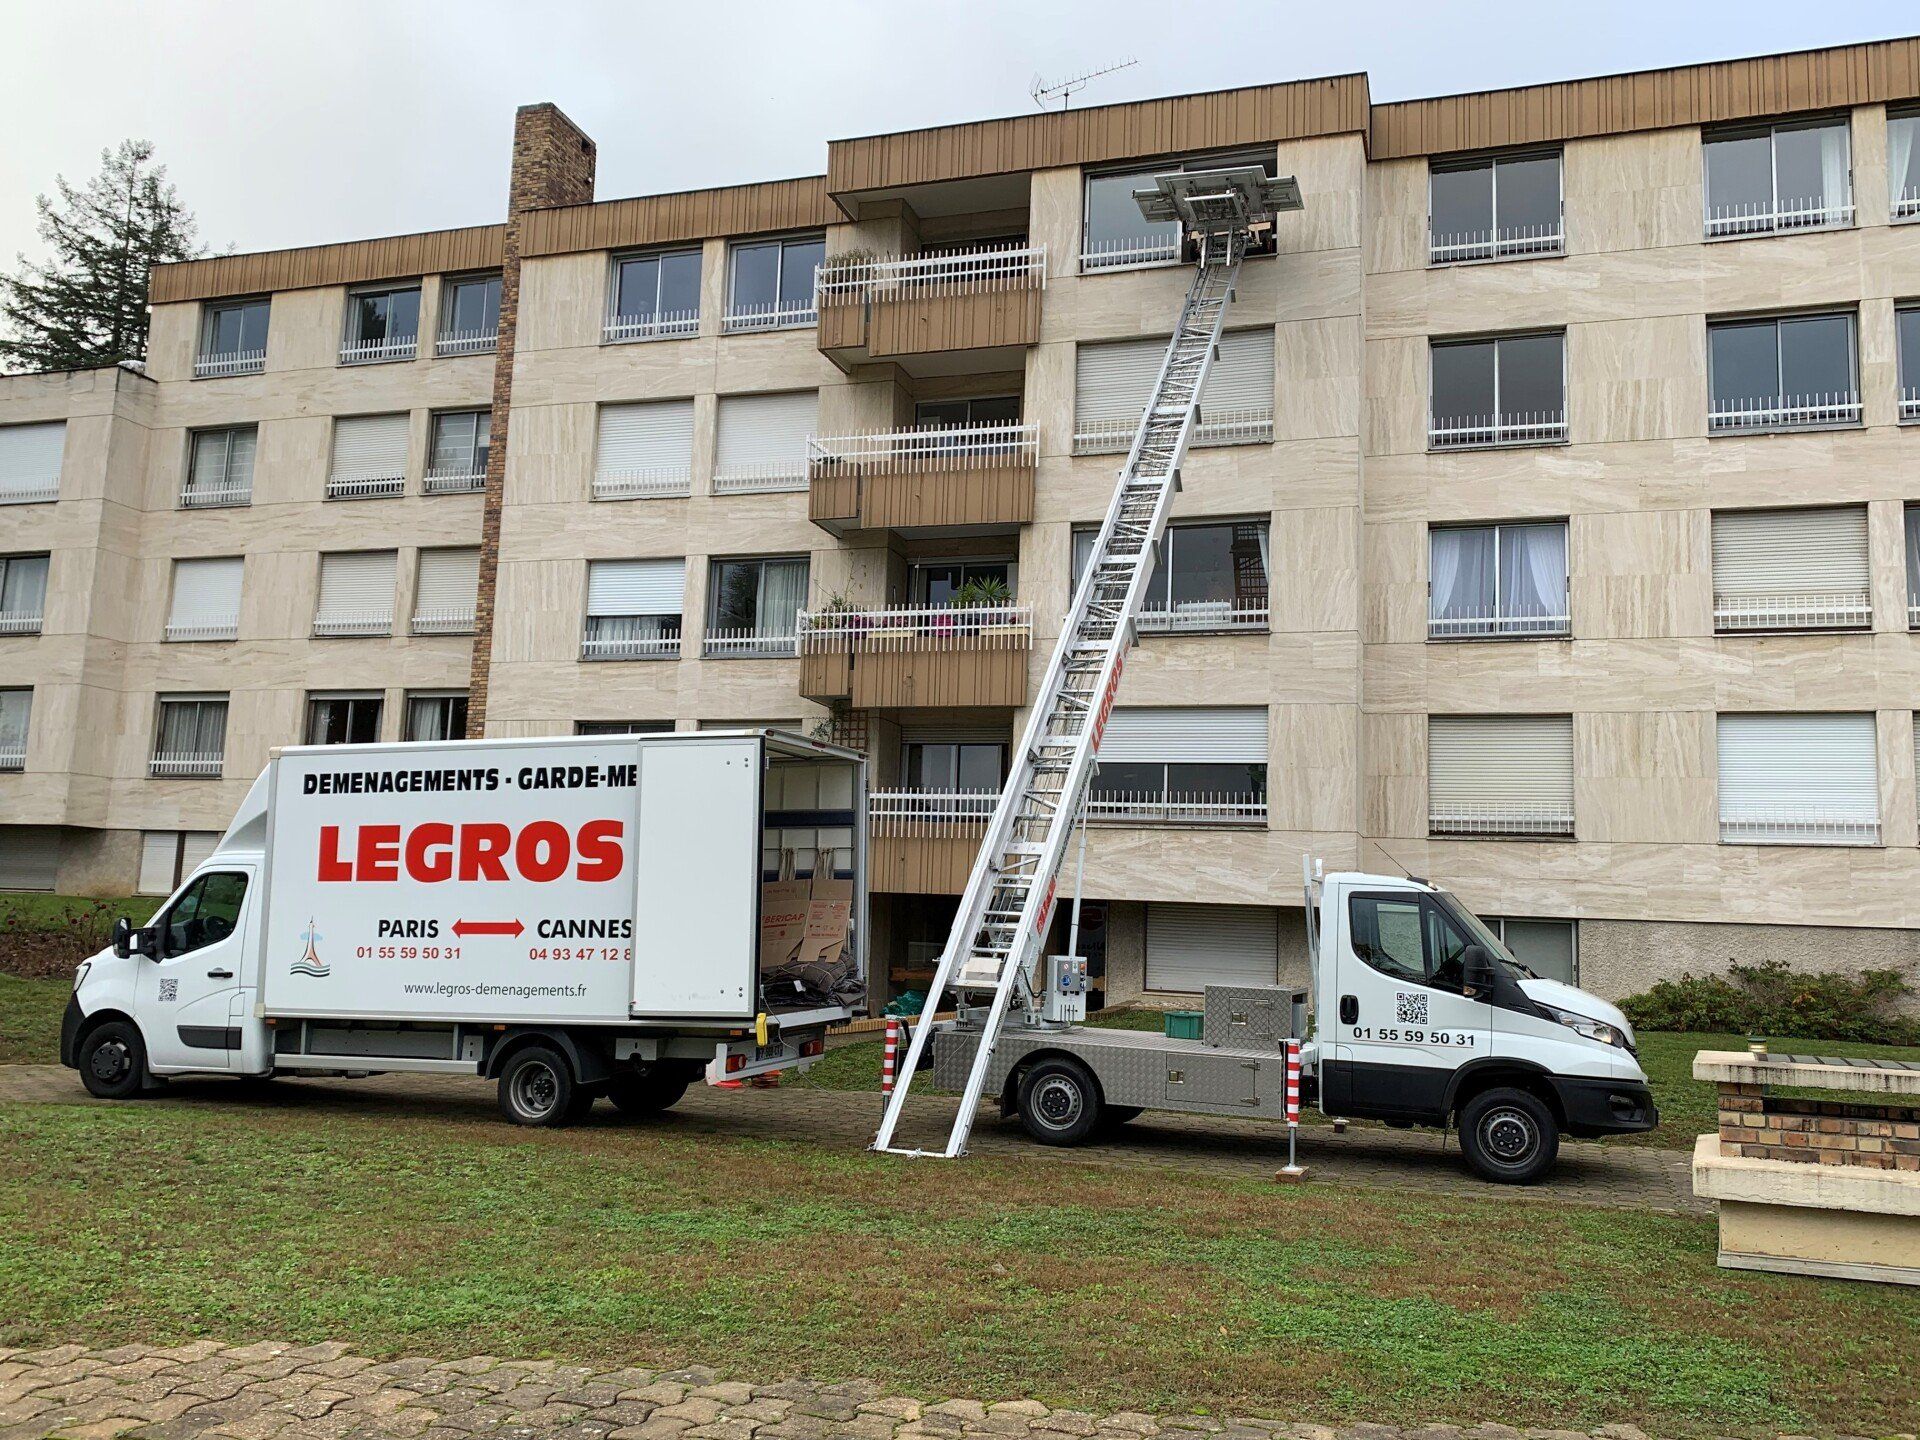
(762, 440)
(636, 587)
(1182, 735)
(195, 847)
(159, 861)
(644, 449)
(206, 599)
(30, 460)
(443, 593)
(1791, 567)
(1190, 947)
(29, 857)
(1799, 779)
(369, 451)
(1500, 774)
(356, 593)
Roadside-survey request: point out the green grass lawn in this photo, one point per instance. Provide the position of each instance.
(448, 1235)
(30, 1019)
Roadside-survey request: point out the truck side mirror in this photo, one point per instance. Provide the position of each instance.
(1476, 971)
(123, 937)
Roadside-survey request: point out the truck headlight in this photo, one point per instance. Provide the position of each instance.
(80, 974)
(1592, 1029)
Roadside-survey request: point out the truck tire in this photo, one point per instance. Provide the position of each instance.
(537, 1087)
(1508, 1136)
(646, 1093)
(113, 1061)
(1059, 1103)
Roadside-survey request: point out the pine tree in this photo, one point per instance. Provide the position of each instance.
(88, 305)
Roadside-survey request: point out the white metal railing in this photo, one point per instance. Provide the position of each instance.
(931, 447)
(734, 644)
(912, 812)
(20, 622)
(658, 647)
(1135, 250)
(1785, 412)
(1906, 205)
(1196, 617)
(1178, 807)
(759, 479)
(1502, 243)
(642, 484)
(366, 352)
(745, 318)
(1910, 404)
(1525, 427)
(32, 493)
(1216, 427)
(918, 627)
(466, 342)
(454, 482)
(207, 497)
(1498, 820)
(1798, 826)
(365, 487)
(184, 762)
(1760, 218)
(1469, 627)
(13, 757)
(229, 362)
(661, 325)
(442, 622)
(1836, 610)
(986, 270)
(364, 622)
(205, 627)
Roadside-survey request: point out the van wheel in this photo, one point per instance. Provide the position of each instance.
(1508, 1136)
(537, 1088)
(646, 1092)
(113, 1061)
(1059, 1102)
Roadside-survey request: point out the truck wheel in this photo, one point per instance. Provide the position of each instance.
(113, 1061)
(537, 1087)
(1508, 1136)
(1059, 1103)
(646, 1093)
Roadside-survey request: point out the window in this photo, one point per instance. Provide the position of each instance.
(1509, 390)
(761, 441)
(444, 590)
(168, 856)
(654, 297)
(967, 770)
(1493, 208)
(23, 593)
(1183, 767)
(1497, 580)
(1113, 382)
(1190, 947)
(469, 315)
(457, 452)
(1409, 938)
(753, 606)
(623, 727)
(1115, 234)
(207, 912)
(1913, 566)
(970, 413)
(345, 719)
(1763, 179)
(1791, 570)
(220, 468)
(30, 458)
(206, 599)
(1798, 780)
(381, 325)
(191, 736)
(1906, 324)
(356, 593)
(771, 284)
(436, 715)
(1500, 775)
(233, 339)
(942, 584)
(1789, 373)
(1211, 576)
(644, 451)
(1549, 948)
(634, 609)
(369, 457)
(1903, 164)
(16, 706)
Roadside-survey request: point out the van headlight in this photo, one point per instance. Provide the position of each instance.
(1592, 1029)
(80, 974)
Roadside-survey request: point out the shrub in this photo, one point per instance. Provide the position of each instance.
(41, 942)
(1772, 999)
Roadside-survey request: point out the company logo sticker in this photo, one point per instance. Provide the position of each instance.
(310, 962)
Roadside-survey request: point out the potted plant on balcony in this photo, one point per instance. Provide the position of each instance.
(986, 592)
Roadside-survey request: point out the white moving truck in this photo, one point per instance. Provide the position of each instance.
(606, 915)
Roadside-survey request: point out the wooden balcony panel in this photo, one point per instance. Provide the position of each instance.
(905, 498)
(833, 497)
(930, 322)
(932, 864)
(826, 675)
(843, 323)
(899, 679)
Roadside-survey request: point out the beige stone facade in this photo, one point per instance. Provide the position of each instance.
(1349, 487)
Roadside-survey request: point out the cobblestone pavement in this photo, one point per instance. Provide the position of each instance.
(1624, 1176)
(326, 1392)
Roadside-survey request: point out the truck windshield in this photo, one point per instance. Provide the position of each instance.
(1477, 932)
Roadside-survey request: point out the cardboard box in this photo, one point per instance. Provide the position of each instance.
(804, 921)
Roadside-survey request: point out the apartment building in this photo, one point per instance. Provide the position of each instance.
(1548, 530)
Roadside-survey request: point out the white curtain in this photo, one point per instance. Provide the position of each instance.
(1835, 192)
(1462, 575)
(783, 592)
(1533, 570)
(1901, 134)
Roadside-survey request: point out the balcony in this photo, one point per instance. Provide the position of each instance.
(924, 842)
(904, 306)
(917, 656)
(220, 363)
(1728, 222)
(1203, 617)
(663, 484)
(173, 764)
(454, 482)
(1476, 432)
(1493, 821)
(936, 475)
(659, 325)
(1508, 242)
(773, 479)
(1770, 414)
(443, 622)
(1217, 427)
(374, 352)
(213, 497)
(749, 645)
(1797, 826)
(1131, 254)
(1176, 807)
(1839, 610)
(205, 627)
(367, 622)
(365, 487)
(466, 342)
(656, 647)
(1497, 627)
(20, 622)
(749, 319)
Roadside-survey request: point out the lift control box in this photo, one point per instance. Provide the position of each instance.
(1066, 997)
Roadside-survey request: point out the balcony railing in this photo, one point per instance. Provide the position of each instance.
(960, 272)
(1139, 250)
(175, 763)
(205, 627)
(229, 362)
(13, 757)
(1764, 219)
(466, 342)
(454, 482)
(1906, 205)
(1499, 820)
(1797, 826)
(643, 484)
(904, 813)
(209, 497)
(664, 325)
(369, 352)
(1528, 427)
(365, 622)
(759, 479)
(30, 492)
(1506, 242)
(1910, 405)
(659, 647)
(1786, 412)
(1216, 427)
(1178, 807)
(929, 447)
(1204, 617)
(365, 487)
(20, 622)
(917, 627)
(1484, 627)
(748, 318)
(1835, 610)
(443, 622)
(748, 644)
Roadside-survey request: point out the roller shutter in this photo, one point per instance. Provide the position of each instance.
(206, 593)
(1182, 735)
(1795, 566)
(1112, 381)
(445, 588)
(1799, 779)
(29, 857)
(356, 592)
(1500, 774)
(1190, 947)
(764, 437)
(652, 441)
(636, 587)
(30, 459)
(369, 447)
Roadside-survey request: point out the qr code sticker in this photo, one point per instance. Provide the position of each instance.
(169, 990)
(1411, 1009)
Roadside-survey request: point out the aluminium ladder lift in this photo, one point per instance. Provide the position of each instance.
(1003, 914)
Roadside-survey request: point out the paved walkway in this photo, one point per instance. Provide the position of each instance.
(1624, 1176)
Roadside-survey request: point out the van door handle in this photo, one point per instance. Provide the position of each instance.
(1349, 1009)
(219, 974)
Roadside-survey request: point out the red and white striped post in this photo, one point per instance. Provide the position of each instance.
(1292, 1170)
(889, 1054)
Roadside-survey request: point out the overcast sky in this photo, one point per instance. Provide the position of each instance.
(294, 122)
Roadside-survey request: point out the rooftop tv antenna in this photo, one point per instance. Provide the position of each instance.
(1064, 90)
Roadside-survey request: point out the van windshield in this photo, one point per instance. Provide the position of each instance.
(1477, 932)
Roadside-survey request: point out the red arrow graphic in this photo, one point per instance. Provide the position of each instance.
(464, 928)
